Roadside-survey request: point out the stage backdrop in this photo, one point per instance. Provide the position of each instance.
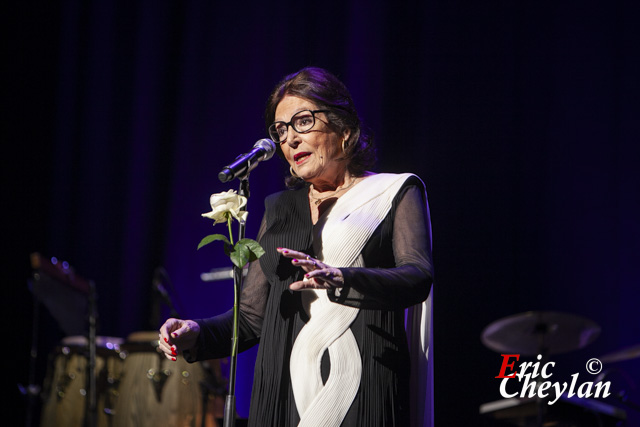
(521, 117)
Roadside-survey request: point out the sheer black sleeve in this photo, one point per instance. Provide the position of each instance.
(214, 341)
(409, 281)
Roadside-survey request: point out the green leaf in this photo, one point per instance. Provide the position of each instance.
(254, 248)
(239, 255)
(212, 238)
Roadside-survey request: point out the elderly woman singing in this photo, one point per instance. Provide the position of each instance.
(347, 252)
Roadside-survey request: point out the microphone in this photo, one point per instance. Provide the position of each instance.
(245, 163)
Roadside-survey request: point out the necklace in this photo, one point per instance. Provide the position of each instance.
(319, 200)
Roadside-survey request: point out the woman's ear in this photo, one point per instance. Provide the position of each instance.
(346, 134)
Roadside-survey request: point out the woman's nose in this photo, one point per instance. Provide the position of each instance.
(293, 137)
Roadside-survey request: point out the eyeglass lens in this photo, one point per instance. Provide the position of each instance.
(301, 122)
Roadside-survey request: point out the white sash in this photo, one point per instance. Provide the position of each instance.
(345, 230)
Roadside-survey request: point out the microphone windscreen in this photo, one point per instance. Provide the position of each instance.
(268, 146)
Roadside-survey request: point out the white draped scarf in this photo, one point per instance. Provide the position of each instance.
(343, 233)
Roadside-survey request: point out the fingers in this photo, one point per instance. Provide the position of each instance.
(166, 344)
(301, 285)
(170, 351)
(325, 278)
(169, 326)
(308, 265)
(290, 253)
(318, 274)
(184, 329)
(301, 259)
(177, 335)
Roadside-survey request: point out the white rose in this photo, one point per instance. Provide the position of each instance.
(224, 204)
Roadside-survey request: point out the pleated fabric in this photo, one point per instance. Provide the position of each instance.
(288, 224)
(382, 397)
(326, 403)
(338, 241)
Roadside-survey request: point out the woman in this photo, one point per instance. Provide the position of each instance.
(358, 246)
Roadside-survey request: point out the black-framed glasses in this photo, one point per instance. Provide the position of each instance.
(302, 122)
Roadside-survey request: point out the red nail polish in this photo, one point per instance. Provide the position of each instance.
(306, 275)
(173, 358)
(295, 260)
(166, 340)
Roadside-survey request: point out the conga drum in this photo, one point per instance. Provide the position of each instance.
(66, 385)
(155, 391)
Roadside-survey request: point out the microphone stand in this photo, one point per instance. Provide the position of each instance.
(230, 402)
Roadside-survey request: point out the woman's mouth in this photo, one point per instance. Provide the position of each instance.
(300, 158)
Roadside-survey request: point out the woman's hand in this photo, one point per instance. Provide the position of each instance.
(177, 335)
(318, 274)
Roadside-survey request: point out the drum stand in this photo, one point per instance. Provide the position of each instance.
(67, 296)
(32, 390)
(92, 404)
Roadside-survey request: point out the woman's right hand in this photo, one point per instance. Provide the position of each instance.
(177, 335)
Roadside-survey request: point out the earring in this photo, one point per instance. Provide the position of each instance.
(345, 144)
(293, 174)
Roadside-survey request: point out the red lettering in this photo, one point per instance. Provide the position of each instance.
(506, 364)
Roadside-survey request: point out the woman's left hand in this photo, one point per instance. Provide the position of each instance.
(318, 274)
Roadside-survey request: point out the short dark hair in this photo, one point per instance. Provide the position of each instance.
(328, 93)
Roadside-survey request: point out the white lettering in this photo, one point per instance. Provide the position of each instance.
(559, 392)
(583, 393)
(536, 366)
(574, 379)
(544, 369)
(530, 386)
(523, 368)
(543, 387)
(503, 389)
(600, 386)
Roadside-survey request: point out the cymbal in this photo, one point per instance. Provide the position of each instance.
(544, 332)
(622, 355)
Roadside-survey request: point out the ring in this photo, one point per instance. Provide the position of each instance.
(308, 258)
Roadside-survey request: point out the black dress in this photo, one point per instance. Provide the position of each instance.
(397, 275)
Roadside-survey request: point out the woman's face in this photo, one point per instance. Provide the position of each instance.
(313, 155)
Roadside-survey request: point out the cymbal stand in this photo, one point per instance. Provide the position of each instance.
(541, 330)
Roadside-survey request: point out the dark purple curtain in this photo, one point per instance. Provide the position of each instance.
(521, 117)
